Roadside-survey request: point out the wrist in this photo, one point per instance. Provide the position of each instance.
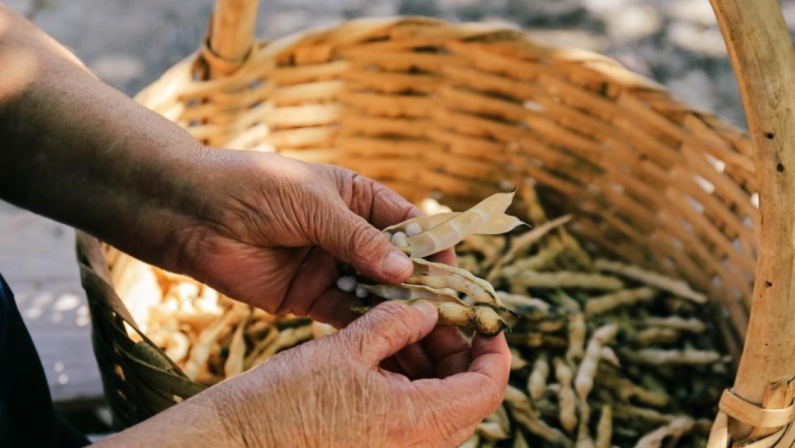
(175, 198)
(238, 409)
(210, 200)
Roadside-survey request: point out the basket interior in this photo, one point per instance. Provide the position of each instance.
(458, 112)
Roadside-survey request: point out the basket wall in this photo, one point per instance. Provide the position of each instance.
(458, 112)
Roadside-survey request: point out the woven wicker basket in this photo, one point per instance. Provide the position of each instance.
(458, 112)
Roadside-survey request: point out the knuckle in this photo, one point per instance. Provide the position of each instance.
(393, 322)
(397, 314)
(366, 241)
(363, 196)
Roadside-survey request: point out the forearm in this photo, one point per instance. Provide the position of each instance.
(192, 424)
(78, 151)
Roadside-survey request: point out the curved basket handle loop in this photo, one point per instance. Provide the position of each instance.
(231, 34)
(762, 56)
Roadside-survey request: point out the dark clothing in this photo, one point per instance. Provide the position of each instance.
(27, 416)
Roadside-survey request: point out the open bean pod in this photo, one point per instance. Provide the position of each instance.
(439, 283)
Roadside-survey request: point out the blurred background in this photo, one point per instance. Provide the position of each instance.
(130, 43)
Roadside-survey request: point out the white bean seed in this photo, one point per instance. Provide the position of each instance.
(347, 283)
(399, 239)
(413, 229)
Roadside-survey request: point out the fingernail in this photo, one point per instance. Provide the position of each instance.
(425, 307)
(395, 264)
(414, 213)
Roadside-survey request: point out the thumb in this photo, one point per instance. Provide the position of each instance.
(388, 328)
(355, 241)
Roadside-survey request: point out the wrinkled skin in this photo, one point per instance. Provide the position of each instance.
(267, 231)
(339, 385)
(262, 229)
(332, 393)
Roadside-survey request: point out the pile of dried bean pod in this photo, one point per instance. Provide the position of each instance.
(604, 353)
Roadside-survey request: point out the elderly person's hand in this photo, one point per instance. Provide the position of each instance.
(331, 393)
(272, 232)
(260, 228)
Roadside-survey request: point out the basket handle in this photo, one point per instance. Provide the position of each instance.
(231, 34)
(764, 62)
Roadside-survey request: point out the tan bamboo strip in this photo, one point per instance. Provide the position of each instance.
(765, 67)
(232, 30)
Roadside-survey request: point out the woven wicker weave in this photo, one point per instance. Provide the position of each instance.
(458, 112)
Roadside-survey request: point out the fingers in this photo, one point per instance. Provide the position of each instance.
(387, 329)
(334, 307)
(353, 240)
(378, 203)
(491, 357)
(474, 394)
(449, 351)
(415, 361)
(317, 274)
(391, 364)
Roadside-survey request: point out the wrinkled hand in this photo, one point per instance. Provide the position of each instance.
(272, 233)
(331, 392)
(274, 228)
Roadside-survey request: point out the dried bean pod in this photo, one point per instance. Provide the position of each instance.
(609, 302)
(627, 390)
(524, 415)
(491, 431)
(566, 302)
(481, 319)
(655, 335)
(535, 340)
(538, 262)
(519, 441)
(476, 288)
(660, 357)
(201, 350)
(576, 332)
(677, 287)
(607, 354)
(320, 330)
(517, 361)
(587, 371)
(567, 279)
(497, 226)
(450, 233)
(234, 364)
(525, 242)
(537, 381)
(488, 246)
(501, 224)
(424, 223)
(566, 398)
(674, 430)
(413, 292)
(676, 323)
(519, 301)
(289, 337)
(604, 429)
(647, 415)
(260, 346)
